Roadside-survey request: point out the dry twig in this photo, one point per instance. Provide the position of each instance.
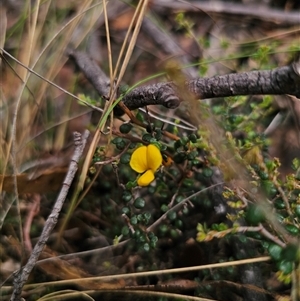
(22, 275)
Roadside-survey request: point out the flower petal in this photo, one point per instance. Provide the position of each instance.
(146, 178)
(138, 160)
(154, 157)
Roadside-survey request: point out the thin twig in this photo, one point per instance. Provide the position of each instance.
(13, 142)
(177, 206)
(22, 275)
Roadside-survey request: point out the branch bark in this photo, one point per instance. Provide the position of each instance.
(22, 275)
(91, 70)
(279, 81)
(283, 80)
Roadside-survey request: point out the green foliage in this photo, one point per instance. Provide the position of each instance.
(189, 163)
(255, 215)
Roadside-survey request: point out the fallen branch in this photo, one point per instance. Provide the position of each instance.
(279, 81)
(22, 275)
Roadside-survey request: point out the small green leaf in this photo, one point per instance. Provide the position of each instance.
(292, 229)
(184, 140)
(207, 172)
(139, 203)
(290, 252)
(134, 220)
(174, 233)
(125, 158)
(163, 229)
(297, 210)
(126, 196)
(117, 140)
(125, 128)
(193, 138)
(146, 247)
(164, 208)
(279, 203)
(147, 137)
(286, 267)
(172, 215)
(255, 215)
(275, 252)
(125, 231)
(126, 210)
(177, 144)
(139, 116)
(121, 145)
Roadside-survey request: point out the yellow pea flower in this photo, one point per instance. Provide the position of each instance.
(146, 160)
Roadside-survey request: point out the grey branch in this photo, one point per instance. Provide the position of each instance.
(91, 70)
(283, 80)
(22, 275)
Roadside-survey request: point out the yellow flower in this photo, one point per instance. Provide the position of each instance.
(146, 160)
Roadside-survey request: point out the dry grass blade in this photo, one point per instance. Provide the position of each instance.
(133, 40)
(41, 54)
(110, 63)
(146, 274)
(3, 25)
(30, 56)
(158, 272)
(169, 296)
(31, 44)
(13, 140)
(96, 138)
(140, 11)
(67, 295)
(136, 14)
